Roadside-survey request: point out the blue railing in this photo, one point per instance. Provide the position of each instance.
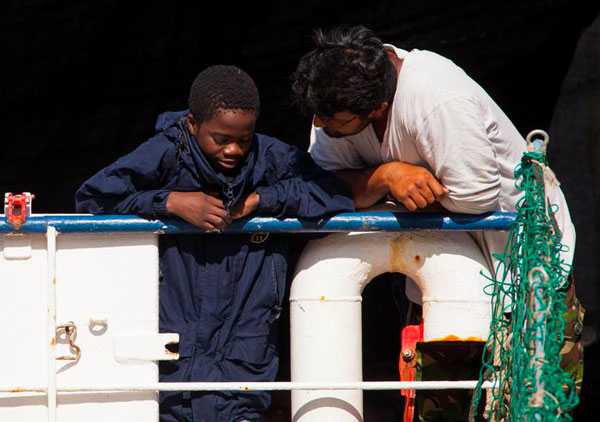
(355, 221)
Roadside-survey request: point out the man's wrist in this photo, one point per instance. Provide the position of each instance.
(385, 176)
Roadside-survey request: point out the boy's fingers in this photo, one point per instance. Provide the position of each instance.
(218, 211)
(219, 223)
(215, 201)
(206, 226)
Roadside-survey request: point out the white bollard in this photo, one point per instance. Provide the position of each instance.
(325, 306)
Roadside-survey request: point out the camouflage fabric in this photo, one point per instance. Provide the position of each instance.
(462, 361)
(447, 361)
(572, 349)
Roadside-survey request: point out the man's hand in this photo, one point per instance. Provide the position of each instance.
(413, 186)
(199, 209)
(245, 206)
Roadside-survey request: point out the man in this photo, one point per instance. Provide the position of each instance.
(415, 127)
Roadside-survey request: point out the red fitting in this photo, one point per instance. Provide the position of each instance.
(411, 335)
(17, 208)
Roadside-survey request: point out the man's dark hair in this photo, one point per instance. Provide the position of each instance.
(348, 70)
(222, 87)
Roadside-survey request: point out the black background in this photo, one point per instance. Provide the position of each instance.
(81, 83)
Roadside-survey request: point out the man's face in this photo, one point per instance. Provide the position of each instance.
(225, 138)
(343, 123)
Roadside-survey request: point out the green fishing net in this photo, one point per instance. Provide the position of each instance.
(522, 356)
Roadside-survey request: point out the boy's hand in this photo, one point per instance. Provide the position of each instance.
(199, 209)
(245, 206)
(413, 186)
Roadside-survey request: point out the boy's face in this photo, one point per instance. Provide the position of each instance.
(225, 138)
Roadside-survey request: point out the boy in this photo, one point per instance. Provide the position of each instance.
(221, 293)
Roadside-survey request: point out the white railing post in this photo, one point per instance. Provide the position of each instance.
(51, 323)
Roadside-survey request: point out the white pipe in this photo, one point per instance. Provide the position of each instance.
(325, 306)
(263, 386)
(51, 324)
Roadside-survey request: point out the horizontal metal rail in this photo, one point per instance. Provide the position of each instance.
(261, 386)
(344, 222)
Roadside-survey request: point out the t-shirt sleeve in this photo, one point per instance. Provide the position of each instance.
(333, 153)
(454, 142)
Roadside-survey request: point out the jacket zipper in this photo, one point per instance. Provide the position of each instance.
(228, 192)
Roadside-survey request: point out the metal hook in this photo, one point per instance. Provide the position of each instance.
(537, 145)
(71, 331)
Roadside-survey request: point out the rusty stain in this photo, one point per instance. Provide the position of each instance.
(455, 338)
(396, 255)
(322, 299)
(54, 281)
(18, 390)
(244, 388)
(53, 342)
(418, 258)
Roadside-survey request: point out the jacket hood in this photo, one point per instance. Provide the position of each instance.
(169, 119)
(172, 125)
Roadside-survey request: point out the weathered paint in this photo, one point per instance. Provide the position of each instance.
(456, 338)
(344, 222)
(96, 276)
(326, 338)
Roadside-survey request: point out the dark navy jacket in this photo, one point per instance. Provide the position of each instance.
(222, 293)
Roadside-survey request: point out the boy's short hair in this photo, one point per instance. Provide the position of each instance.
(348, 70)
(222, 87)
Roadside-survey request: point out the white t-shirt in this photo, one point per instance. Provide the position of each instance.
(444, 121)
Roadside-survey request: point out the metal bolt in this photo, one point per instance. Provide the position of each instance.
(408, 354)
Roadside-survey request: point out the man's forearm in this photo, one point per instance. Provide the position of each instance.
(367, 185)
(413, 186)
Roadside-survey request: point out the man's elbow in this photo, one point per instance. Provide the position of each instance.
(474, 202)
